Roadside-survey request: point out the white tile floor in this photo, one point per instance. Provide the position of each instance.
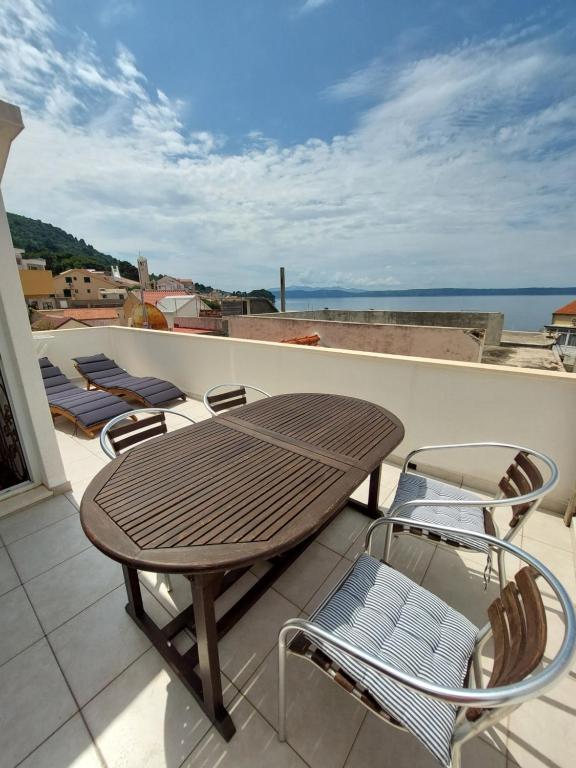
(81, 687)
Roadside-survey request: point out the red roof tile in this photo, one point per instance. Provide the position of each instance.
(568, 309)
(180, 329)
(101, 313)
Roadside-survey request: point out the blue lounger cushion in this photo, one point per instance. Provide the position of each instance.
(105, 373)
(88, 409)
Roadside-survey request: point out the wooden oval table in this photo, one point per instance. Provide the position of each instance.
(211, 499)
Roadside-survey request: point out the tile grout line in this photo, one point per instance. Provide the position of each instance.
(355, 739)
(78, 612)
(43, 573)
(342, 557)
(42, 527)
(274, 727)
(68, 719)
(78, 710)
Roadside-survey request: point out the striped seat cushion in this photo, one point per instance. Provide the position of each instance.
(391, 617)
(412, 487)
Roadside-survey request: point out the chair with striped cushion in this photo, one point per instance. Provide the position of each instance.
(420, 499)
(224, 397)
(417, 663)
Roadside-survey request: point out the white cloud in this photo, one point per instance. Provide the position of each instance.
(460, 174)
(364, 82)
(114, 11)
(312, 5)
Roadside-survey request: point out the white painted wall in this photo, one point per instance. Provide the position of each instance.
(438, 401)
(17, 347)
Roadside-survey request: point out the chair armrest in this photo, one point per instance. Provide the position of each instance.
(511, 446)
(470, 697)
(475, 697)
(490, 502)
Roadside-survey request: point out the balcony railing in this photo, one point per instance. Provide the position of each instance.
(438, 401)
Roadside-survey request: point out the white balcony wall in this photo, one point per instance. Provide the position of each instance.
(438, 401)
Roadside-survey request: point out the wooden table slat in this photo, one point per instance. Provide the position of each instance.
(214, 511)
(191, 475)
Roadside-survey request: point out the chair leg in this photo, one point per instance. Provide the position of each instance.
(455, 762)
(388, 542)
(168, 582)
(282, 687)
(502, 569)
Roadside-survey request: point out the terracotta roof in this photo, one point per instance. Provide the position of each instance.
(568, 309)
(52, 322)
(101, 313)
(305, 341)
(180, 329)
(153, 297)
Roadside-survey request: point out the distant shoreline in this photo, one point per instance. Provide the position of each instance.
(333, 293)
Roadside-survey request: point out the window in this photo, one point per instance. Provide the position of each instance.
(75, 278)
(86, 279)
(87, 290)
(68, 280)
(75, 289)
(67, 293)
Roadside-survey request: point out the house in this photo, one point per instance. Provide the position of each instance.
(563, 327)
(564, 317)
(168, 283)
(87, 285)
(37, 281)
(24, 263)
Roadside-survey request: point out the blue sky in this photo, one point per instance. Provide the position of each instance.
(357, 142)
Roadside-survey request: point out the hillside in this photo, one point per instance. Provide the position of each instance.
(60, 249)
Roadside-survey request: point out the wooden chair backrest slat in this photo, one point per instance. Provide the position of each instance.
(521, 477)
(531, 470)
(225, 400)
(135, 432)
(518, 620)
(240, 392)
(229, 404)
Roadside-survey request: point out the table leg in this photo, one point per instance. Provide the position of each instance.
(373, 492)
(203, 592)
(133, 590)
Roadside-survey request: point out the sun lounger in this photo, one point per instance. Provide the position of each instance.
(102, 373)
(88, 410)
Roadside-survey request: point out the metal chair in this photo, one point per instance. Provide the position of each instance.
(378, 629)
(233, 396)
(127, 430)
(422, 499)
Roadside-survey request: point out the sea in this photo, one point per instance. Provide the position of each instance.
(521, 313)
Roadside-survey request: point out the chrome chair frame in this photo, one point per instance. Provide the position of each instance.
(220, 386)
(111, 453)
(498, 701)
(534, 497)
